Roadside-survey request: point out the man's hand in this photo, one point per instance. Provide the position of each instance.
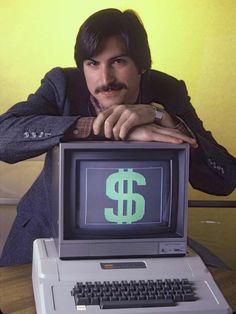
(157, 133)
(116, 121)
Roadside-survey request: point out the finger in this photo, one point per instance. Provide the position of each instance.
(123, 125)
(157, 137)
(131, 119)
(113, 122)
(132, 115)
(165, 135)
(178, 135)
(149, 133)
(99, 121)
(128, 123)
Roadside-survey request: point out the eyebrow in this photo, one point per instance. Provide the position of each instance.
(113, 58)
(119, 56)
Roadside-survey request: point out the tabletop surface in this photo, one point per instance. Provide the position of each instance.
(16, 293)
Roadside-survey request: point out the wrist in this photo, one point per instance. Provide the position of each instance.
(158, 111)
(163, 118)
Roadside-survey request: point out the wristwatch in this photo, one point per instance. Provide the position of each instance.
(159, 110)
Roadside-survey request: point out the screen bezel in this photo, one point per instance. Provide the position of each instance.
(72, 158)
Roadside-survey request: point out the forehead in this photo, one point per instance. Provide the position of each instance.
(110, 48)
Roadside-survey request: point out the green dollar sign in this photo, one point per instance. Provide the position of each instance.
(119, 178)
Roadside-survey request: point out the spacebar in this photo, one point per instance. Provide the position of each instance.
(135, 303)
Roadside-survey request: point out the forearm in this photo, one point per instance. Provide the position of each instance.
(25, 137)
(34, 126)
(212, 167)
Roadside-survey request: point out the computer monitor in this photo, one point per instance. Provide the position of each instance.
(119, 199)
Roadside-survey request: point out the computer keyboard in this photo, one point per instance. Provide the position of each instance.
(131, 294)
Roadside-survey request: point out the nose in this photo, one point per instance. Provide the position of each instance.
(107, 74)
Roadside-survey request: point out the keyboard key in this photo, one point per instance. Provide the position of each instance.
(178, 298)
(94, 301)
(189, 297)
(135, 304)
(82, 301)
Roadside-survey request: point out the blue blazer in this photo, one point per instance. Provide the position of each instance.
(35, 126)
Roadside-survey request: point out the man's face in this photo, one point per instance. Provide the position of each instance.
(112, 77)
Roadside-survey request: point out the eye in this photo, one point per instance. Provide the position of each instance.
(91, 63)
(120, 61)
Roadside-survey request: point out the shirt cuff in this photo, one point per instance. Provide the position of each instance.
(81, 129)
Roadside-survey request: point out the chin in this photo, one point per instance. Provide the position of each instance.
(108, 103)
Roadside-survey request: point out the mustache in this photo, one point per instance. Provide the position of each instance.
(111, 86)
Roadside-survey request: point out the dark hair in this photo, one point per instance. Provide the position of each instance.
(112, 22)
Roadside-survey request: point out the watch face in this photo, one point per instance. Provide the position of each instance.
(159, 114)
(159, 110)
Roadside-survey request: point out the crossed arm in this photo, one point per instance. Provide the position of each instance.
(33, 127)
(138, 123)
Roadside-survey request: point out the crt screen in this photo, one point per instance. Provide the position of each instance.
(122, 196)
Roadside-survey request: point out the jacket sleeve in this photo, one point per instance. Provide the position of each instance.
(212, 167)
(32, 127)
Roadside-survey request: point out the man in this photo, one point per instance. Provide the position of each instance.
(112, 94)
